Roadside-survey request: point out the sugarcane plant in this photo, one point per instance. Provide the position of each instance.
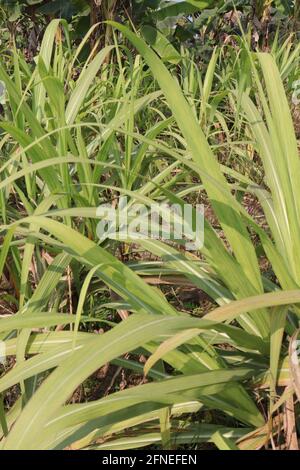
(70, 143)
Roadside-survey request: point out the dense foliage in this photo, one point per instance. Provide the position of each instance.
(123, 344)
